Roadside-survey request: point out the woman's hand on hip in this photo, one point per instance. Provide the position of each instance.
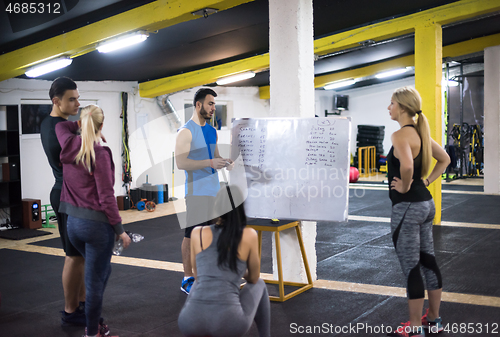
(397, 184)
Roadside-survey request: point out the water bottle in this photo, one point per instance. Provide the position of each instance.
(135, 237)
(118, 248)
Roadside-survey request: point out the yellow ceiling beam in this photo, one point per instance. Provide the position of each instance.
(454, 50)
(265, 92)
(200, 77)
(321, 81)
(454, 12)
(401, 62)
(150, 17)
(471, 46)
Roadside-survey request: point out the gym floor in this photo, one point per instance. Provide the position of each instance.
(360, 284)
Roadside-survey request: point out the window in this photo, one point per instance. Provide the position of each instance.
(220, 120)
(33, 112)
(32, 116)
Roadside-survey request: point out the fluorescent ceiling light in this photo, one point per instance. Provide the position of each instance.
(452, 83)
(391, 73)
(235, 78)
(48, 67)
(122, 42)
(340, 84)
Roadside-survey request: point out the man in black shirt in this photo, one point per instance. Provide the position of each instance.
(64, 95)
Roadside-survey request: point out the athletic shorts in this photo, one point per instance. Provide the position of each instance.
(198, 212)
(62, 219)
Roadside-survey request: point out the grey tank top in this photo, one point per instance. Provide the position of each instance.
(215, 284)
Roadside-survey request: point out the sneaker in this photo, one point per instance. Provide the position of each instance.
(405, 330)
(98, 335)
(76, 318)
(187, 284)
(103, 329)
(435, 326)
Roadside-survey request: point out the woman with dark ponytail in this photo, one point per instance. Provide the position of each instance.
(409, 163)
(87, 197)
(221, 254)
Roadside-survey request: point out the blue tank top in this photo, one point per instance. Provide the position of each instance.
(204, 181)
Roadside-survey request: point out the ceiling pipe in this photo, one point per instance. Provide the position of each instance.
(363, 45)
(476, 18)
(168, 109)
(372, 43)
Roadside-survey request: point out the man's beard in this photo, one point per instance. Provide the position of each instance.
(205, 114)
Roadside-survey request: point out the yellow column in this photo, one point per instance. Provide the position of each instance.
(428, 73)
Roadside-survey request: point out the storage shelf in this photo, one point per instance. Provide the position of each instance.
(9, 181)
(10, 191)
(10, 205)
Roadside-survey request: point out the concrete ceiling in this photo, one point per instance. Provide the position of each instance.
(185, 43)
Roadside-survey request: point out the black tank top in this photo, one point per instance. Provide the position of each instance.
(418, 191)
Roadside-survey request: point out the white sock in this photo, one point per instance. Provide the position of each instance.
(185, 278)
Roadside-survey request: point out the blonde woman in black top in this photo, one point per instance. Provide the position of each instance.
(409, 164)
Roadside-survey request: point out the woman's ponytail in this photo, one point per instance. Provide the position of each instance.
(409, 99)
(91, 119)
(425, 135)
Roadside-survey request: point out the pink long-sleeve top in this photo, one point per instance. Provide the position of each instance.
(87, 195)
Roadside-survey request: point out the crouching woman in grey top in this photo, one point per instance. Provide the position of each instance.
(221, 254)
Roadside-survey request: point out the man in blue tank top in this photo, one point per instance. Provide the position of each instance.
(196, 152)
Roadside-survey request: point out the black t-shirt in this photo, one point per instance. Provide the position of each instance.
(52, 147)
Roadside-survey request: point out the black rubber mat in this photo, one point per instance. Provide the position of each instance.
(465, 188)
(473, 268)
(146, 302)
(362, 199)
(136, 299)
(22, 233)
(143, 301)
(156, 233)
(474, 209)
(455, 207)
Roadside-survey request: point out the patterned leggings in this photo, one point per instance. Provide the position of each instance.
(411, 225)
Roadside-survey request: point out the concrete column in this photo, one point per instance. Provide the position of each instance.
(492, 120)
(428, 74)
(292, 95)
